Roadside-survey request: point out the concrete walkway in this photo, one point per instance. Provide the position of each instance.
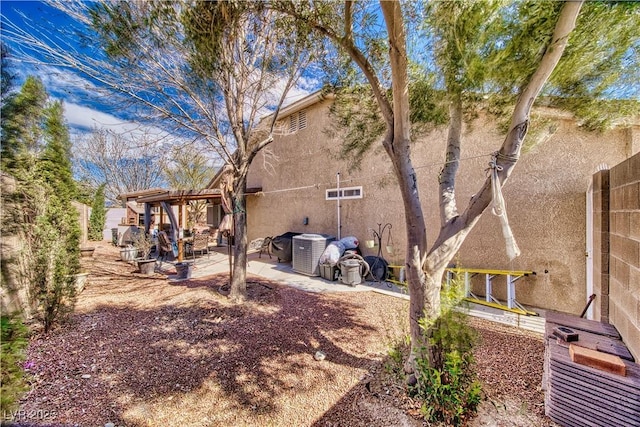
(218, 262)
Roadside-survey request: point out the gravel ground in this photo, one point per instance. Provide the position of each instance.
(144, 351)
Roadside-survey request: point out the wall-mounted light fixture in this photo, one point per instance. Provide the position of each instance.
(305, 220)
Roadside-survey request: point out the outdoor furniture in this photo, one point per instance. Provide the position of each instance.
(199, 243)
(164, 245)
(281, 245)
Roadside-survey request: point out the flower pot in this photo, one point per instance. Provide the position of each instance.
(81, 281)
(146, 266)
(87, 252)
(183, 270)
(128, 254)
(369, 243)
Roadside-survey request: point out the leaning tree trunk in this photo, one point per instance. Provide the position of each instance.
(454, 228)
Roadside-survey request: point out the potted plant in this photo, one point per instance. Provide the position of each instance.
(81, 281)
(143, 243)
(128, 253)
(183, 270)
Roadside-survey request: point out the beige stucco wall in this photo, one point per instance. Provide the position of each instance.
(545, 198)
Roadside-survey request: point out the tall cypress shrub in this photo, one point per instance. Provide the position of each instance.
(98, 215)
(57, 228)
(36, 141)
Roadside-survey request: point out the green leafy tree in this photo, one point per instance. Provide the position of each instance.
(188, 169)
(14, 334)
(381, 56)
(208, 70)
(55, 160)
(37, 210)
(98, 215)
(51, 252)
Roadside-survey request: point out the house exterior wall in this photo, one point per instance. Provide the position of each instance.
(624, 262)
(545, 198)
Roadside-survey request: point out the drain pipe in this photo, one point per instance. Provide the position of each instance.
(338, 199)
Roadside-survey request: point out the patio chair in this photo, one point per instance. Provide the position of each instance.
(200, 244)
(164, 246)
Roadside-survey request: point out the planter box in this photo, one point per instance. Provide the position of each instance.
(183, 270)
(87, 252)
(147, 266)
(81, 281)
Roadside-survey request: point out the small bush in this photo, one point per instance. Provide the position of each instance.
(398, 352)
(12, 346)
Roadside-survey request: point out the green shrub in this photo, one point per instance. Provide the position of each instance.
(12, 347)
(446, 384)
(50, 256)
(55, 262)
(398, 352)
(98, 215)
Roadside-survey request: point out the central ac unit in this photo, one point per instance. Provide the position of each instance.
(307, 249)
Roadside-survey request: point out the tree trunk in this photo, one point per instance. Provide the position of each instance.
(397, 144)
(455, 228)
(238, 290)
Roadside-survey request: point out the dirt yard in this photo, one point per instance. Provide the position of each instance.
(144, 351)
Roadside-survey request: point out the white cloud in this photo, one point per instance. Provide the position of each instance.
(86, 117)
(60, 82)
(82, 120)
(66, 81)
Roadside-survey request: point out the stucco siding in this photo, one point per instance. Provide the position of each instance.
(545, 198)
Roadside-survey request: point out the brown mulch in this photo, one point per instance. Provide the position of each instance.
(145, 351)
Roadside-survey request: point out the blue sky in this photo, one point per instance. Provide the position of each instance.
(85, 107)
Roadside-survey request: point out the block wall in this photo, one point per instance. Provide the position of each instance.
(624, 251)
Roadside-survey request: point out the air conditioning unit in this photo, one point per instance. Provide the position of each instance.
(307, 249)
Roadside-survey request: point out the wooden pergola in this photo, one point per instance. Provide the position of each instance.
(180, 198)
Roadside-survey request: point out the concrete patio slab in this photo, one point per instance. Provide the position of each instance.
(218, 262)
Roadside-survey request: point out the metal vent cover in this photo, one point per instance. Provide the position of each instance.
(307, 249)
